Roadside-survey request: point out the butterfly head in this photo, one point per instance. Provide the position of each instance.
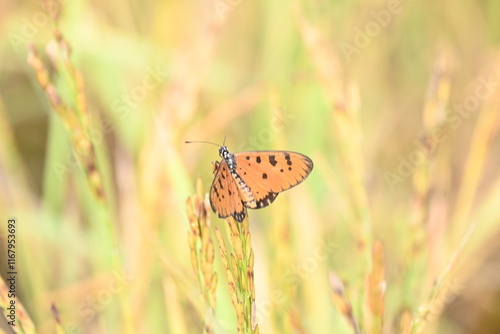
(224, 152)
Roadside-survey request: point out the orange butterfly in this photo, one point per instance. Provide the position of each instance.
(254, 179)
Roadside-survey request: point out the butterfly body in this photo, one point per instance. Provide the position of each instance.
(254, 179)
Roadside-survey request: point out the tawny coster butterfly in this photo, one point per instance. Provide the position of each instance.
(253, 179)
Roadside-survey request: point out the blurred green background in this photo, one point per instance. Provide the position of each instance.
(396, 102)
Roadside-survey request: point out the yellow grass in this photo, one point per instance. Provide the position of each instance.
(395, 230)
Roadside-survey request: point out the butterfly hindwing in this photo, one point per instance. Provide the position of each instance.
(268, 173)
(225, 198)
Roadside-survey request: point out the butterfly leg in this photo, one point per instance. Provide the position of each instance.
(215, 166)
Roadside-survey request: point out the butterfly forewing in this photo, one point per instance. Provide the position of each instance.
(268, 173)
(225, 196)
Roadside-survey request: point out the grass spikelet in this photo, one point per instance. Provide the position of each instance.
(433, 118)
(74, 111)
(57, 318)
(69, 101)
(239, 264)
(202, 252)
(438, 89)
(429, 174)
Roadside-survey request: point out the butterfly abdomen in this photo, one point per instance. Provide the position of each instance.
(245, 191)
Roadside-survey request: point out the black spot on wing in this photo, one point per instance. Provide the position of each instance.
(272, 160)
(264, 176)
(258, 160)
(288, 160)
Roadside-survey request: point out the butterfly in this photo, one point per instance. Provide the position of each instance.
(254, 179)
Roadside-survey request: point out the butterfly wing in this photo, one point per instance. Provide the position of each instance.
(225, 198)
(268, 173)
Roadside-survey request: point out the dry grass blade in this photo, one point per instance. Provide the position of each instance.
(376, 287)
(405, 322)
(443, 288)
(347, 134)
(344, 103)
(341, 302)
(485, 130)
(13, 174)
(14, 312)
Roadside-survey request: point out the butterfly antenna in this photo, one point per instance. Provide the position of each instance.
(224, 142)
(199, 141)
